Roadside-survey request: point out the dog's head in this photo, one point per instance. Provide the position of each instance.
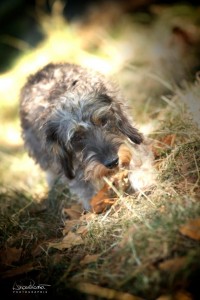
(89, 132)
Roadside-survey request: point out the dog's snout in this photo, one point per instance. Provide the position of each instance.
(112, 163)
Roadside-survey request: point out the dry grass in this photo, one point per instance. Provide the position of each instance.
(135, 240)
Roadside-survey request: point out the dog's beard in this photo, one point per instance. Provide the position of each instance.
(95, 171)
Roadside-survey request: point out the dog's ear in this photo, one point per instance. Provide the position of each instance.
(124, 125)
(66, 161)
(131, 132)
(59, 149)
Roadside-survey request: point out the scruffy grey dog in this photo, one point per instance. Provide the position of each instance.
(73, 123)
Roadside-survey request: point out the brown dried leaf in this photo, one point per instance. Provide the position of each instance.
(57, 258)
(102, 205)
(69, 225)
(183, 295)
(82, 230)
(10, 255)
(174, 264)
(191, 229)
(180, 295)
(106, 293)
(21, 270)
(101, 201)
(120, 176)
(169, 139)
(69, 241)
(164, 297)
(74, 212)
(89, 259)
(164, 143)
(106, 197)
(88, 216)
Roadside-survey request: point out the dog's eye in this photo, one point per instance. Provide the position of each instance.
(100, 121)
(77, 137)
(104, 121)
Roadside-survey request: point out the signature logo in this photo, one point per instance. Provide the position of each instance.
(31, 287)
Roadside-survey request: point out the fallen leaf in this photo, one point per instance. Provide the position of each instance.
(169, 139)
(191, 229)
(74, 212)
(100, 201)
(164, 297)
(180, 295)
(89, 259)
(10, 255)
(106, 293)
(57, 258)
(164, 143)
(21, 270)
(69, 241)
(183, 295)
(106, 197)
(69, 225)
(88, 216)
(173, 264)
(102, 205)
(82, 230)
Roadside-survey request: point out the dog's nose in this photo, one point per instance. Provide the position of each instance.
(112, 163)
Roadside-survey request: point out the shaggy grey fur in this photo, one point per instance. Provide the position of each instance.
(73, 122)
